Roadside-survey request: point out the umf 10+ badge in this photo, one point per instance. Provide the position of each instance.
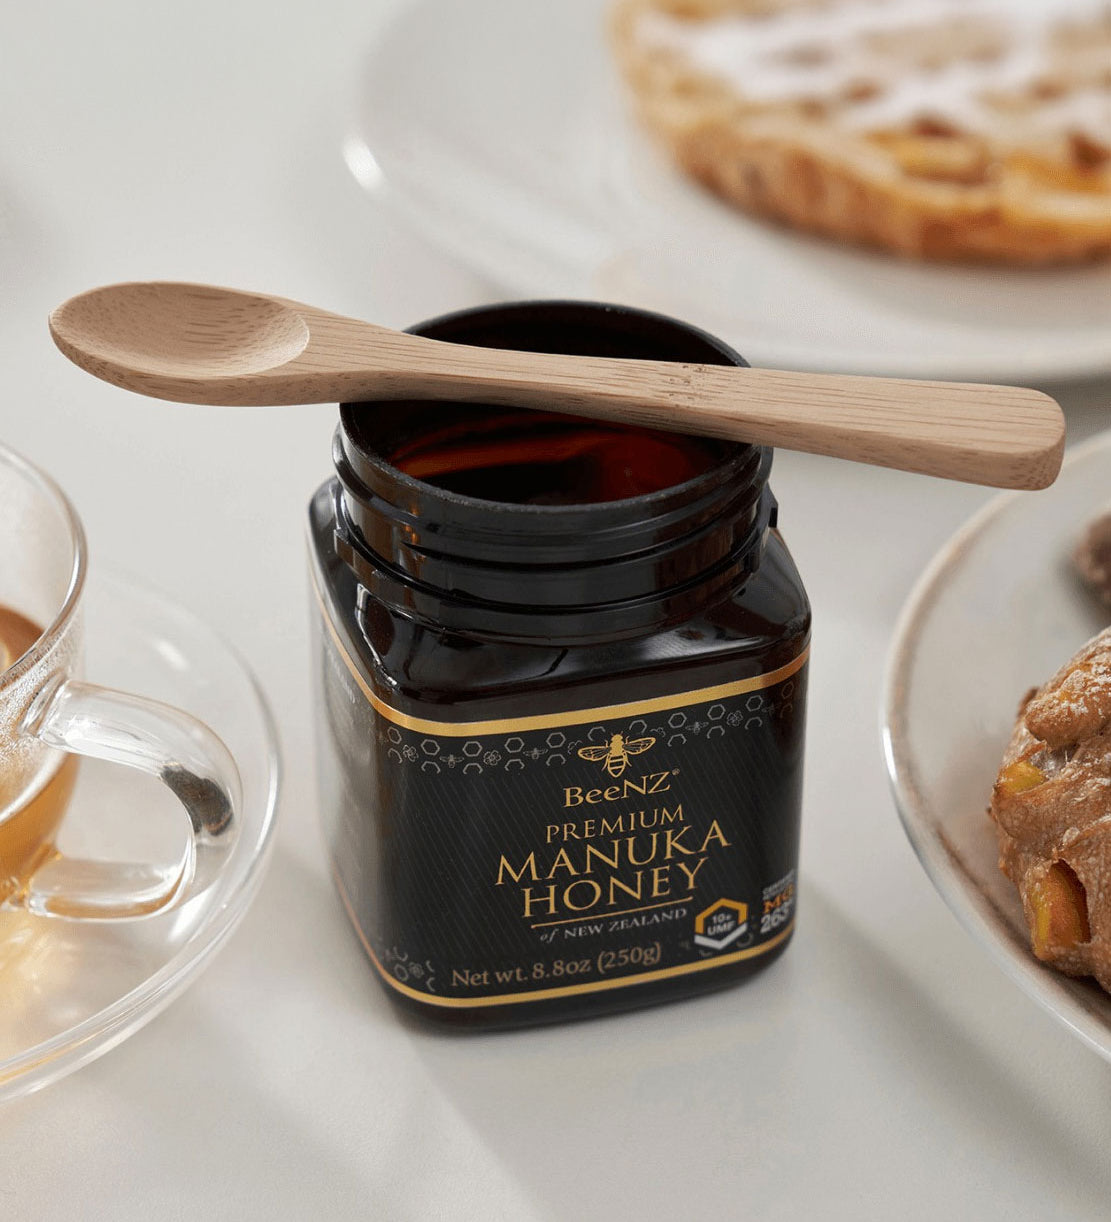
(720, 925)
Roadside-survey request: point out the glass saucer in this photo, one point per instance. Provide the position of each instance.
(69, 992)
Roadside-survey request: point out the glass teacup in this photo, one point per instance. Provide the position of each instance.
(49, 716)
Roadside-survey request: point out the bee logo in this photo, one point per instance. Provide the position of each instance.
(615, 754)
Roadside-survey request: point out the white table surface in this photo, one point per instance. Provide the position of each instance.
(884, 1067)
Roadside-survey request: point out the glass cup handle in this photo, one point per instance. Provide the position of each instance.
(183, 753)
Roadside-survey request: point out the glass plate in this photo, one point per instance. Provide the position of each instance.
(499, 130)
(997, 613)
(71, 992)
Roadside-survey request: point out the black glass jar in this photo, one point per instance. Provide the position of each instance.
(561, 670)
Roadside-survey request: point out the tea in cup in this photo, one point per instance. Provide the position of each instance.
(49, 717)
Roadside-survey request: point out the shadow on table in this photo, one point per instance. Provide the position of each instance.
(746, 1102)
(832, 1076)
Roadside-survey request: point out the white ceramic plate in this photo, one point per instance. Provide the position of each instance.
(997, 613)
(70, 992)
(498, 129)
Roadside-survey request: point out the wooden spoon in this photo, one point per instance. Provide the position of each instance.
(197, 343)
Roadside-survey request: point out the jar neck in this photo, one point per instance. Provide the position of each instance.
(619, 567)
(607, 565)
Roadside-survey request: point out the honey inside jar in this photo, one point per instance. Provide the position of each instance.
(538, 458)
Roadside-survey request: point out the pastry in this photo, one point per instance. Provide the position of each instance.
(1092, 556)
(940, 129)
(1052, 808)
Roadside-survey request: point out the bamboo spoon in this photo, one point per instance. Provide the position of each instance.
(196, 343)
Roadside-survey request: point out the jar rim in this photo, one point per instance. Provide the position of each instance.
(529, 569)
(733, 460)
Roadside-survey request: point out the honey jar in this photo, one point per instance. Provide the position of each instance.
(560, 668)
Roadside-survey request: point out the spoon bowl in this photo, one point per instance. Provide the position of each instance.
(199, 329)
(201, 344)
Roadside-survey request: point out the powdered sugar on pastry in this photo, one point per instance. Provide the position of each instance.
(1076, 703)
(938, 129)
(1006, 69)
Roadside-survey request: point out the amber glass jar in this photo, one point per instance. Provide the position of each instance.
(561, 675)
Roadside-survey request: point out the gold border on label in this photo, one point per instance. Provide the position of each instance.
(569, 990)
(547, 721)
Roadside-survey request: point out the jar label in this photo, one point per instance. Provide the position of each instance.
(499, 862)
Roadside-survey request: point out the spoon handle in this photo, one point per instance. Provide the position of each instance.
(1003, 436)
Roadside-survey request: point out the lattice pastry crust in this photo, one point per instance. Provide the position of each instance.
(940, 129)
